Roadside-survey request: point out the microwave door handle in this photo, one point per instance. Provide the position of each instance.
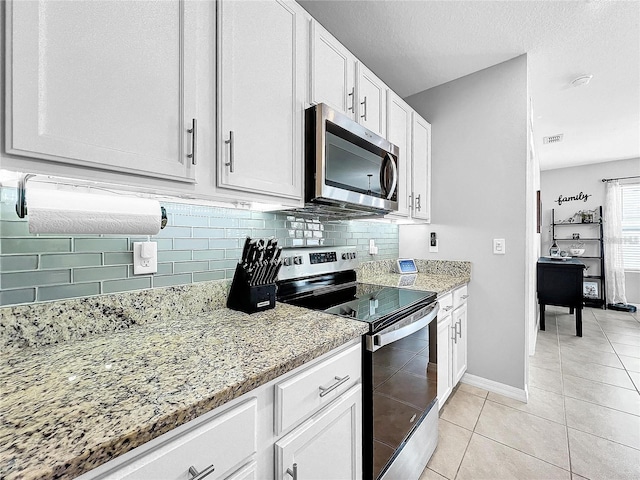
(394, 182)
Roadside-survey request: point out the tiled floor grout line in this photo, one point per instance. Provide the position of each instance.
(472, 432)
(517, 450)
(564, 403)
(636, 387)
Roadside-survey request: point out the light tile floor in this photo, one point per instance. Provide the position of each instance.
(583, 415)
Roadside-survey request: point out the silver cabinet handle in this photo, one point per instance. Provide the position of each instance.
(459, 332)
(364, 103)
(339, 381)
(455, 331)
(200, 475)
(353, 101)
(230, 143)
(294, 472)
(411, 201)
(418, 203)
(447, 308)
(464, 297)
(194, 140)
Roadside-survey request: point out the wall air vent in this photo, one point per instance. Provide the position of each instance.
(553, 138)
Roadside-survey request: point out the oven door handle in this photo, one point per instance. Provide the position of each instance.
(389, 335)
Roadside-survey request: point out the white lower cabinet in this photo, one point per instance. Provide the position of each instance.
(452, 341)
(328, 445)
(247, 439)
(459, 354)
(220, 445)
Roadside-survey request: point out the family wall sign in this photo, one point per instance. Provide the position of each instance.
(581, 197)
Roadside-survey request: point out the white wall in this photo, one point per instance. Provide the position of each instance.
(588, 180)
(479, 171)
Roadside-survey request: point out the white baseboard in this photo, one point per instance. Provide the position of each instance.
(521, 394)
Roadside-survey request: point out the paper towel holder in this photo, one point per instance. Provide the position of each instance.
(21, 203)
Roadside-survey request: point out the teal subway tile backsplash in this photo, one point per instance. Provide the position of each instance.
(34, 279)
(14, 263)
(68, 291)
(100, 273)
(34, 245)
(59, 260)
(200, 243)
(138, 283)
(13, 297)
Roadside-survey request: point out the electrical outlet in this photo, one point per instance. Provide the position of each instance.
(433, 243)
(499, 246)
(145, 257)
(373, 250)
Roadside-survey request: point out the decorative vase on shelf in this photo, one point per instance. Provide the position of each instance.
(554, 251)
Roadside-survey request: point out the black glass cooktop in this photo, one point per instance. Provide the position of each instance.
(370, 303)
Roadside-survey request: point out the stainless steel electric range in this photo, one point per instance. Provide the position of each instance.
(400, 413)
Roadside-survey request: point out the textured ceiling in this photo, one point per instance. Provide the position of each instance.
(416, 45)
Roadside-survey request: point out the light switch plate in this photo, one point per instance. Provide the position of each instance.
(499, 246)
(434, 248)
(145, 257)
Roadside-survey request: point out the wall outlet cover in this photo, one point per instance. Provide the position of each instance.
(145, 257)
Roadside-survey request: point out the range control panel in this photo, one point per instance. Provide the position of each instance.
(323, 257)
(300, 262)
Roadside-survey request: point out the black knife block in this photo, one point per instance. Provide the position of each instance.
(247, 298)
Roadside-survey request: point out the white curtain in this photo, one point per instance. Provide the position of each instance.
(612, 232)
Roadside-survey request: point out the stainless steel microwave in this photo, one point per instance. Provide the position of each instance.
(350, 171)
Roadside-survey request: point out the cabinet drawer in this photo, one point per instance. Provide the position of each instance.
(226, 442)
(302, 394)
(446, 305)
(460, 296)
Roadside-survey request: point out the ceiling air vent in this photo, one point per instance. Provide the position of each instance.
(553, 138)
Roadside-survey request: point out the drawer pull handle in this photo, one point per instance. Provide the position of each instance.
(447, 308)
(294, 472)
(455, 331)
(464, 297)
(339, 381)
(200, 475)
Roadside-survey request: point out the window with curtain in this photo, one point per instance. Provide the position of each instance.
(631, 226)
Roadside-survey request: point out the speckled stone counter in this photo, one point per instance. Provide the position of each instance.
(438, 276)
(71, 406)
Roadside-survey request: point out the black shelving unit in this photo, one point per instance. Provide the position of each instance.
(596, 231)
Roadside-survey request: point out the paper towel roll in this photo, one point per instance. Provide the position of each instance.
(56, 211)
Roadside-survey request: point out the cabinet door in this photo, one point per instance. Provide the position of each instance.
(261, 67)
(399, 133)
(460, 346)
(328, 445)
(332, 72)
(445, 336)
(102, 84)
(372, 104)
(421, 147)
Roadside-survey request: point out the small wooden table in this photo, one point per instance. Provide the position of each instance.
(560, 284)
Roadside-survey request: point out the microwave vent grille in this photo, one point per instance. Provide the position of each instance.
(553, 138)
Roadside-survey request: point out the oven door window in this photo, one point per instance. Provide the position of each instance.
(358, 166)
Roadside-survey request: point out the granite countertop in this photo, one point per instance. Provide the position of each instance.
(433, 275)
(69, 407)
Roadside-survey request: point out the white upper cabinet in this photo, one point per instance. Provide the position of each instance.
(372, 101)
(399, 121)
(345, 84)
(332, 72)
(102, 84)
(421, 174)
(262, 52)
